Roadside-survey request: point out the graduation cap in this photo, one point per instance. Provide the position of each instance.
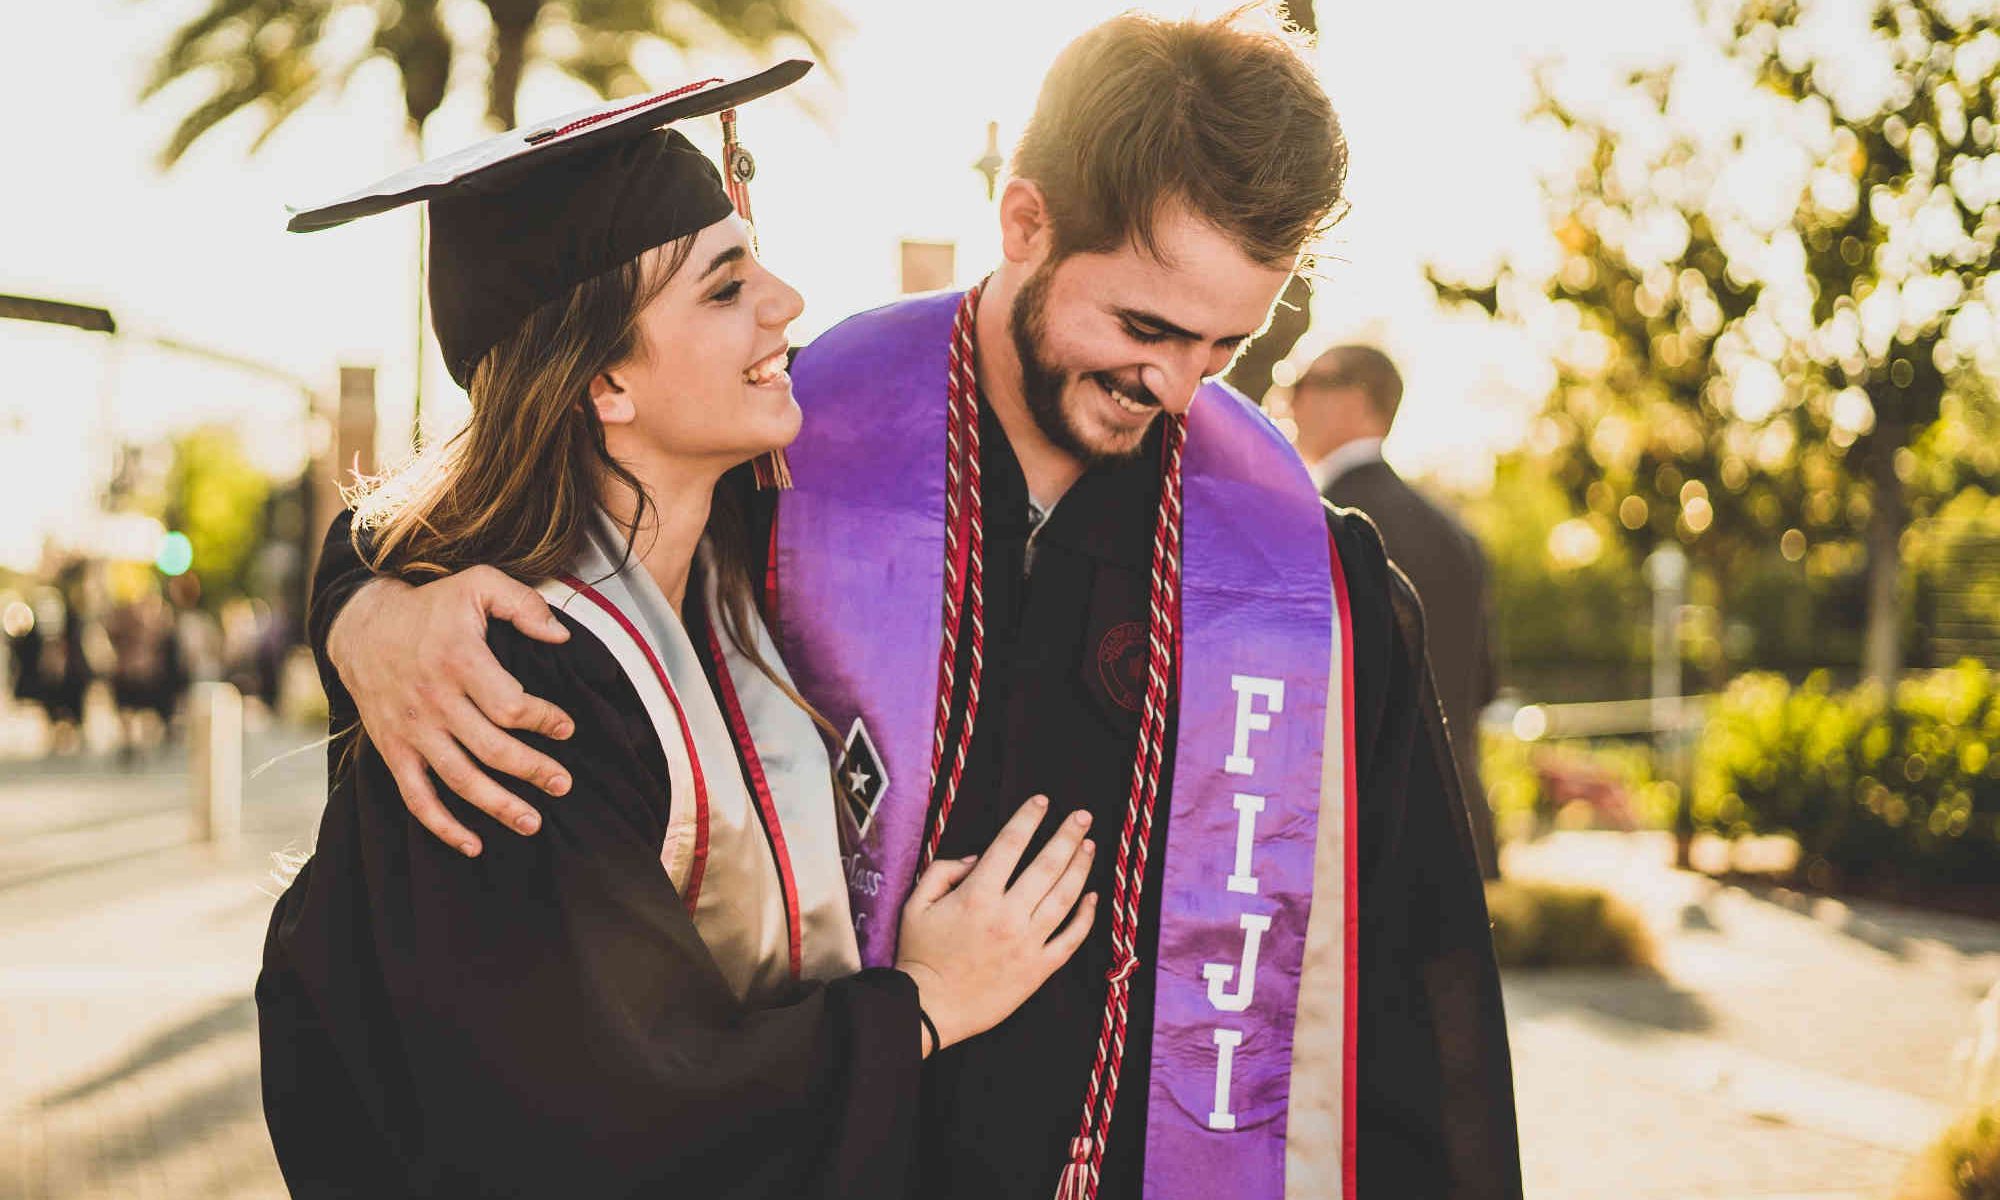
(518, 220)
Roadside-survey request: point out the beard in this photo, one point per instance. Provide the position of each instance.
(1043, 384)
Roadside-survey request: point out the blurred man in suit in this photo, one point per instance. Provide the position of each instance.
(1344, 405)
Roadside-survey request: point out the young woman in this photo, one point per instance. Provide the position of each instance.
(661, 992)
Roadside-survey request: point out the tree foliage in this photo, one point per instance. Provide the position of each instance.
(217, 496)
(272, 57)
(1743, 375)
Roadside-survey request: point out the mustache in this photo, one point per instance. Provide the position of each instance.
(1136, 390)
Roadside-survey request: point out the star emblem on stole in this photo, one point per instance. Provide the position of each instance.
(864, 777)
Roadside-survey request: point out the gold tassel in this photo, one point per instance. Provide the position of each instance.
(773, 470)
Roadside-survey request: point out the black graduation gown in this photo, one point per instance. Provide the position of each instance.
(1059, 713)
(545, 1020)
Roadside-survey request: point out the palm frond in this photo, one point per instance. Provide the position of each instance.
(234, 95)
(261, 53)
(286, 101)
(191, 47)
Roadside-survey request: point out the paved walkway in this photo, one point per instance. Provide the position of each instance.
(1786, 1049)
(128, 1054)
(1787, 1052)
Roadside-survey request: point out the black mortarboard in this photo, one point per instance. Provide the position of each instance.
(518, 220)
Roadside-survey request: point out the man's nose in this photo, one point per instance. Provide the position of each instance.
(1173, 385)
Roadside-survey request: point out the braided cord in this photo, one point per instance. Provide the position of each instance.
(964, 562)
(1080, 1177)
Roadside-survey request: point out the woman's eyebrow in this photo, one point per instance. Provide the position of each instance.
(733, 254)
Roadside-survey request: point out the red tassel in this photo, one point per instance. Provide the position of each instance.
(773, 470)
(1075, 1184)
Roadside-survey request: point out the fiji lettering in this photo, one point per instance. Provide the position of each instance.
(1257, 700)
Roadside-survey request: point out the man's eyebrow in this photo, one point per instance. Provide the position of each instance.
(1159, 324)
(733, 254)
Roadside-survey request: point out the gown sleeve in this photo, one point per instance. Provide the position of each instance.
(339, 574)
(1435, 1103)
(545, 1020)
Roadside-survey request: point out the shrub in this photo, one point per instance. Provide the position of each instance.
(1536, 786)
(1964, 1164)
(1538, 924)
(1876, 784)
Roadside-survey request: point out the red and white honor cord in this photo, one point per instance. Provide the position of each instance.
(964, 561)
(1086, 1155)
(964, 596)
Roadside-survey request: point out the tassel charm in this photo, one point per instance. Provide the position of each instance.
(1076, 1182)
(773, 470)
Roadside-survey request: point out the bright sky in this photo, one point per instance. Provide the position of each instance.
(1430, 91)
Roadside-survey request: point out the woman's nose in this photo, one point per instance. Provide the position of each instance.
(784, 304)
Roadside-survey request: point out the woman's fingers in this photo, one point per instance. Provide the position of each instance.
(939, 878)
(1065, 943)
(406, 766)
(1061, 897)
(501, 750)
(996, 866)
(1042, 872)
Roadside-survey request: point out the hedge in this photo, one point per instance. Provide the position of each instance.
(1873, 783)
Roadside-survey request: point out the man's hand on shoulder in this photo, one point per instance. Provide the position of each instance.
(433, 698)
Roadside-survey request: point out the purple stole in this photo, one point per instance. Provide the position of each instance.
(858, 572)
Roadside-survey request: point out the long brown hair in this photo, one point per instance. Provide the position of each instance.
(518, 487)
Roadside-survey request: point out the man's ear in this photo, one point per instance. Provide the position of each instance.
(613, 403)
(1025, 232)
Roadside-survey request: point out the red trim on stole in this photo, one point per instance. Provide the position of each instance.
(771, 579)
(1349, 1042)
(761, 789)
(700, 864)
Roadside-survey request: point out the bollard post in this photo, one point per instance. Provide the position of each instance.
(1667, 570)
(215, 764)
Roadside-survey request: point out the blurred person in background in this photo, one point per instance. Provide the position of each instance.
(252, 644)
(147, 672)
(979, 578)
(1344, 406)
(63, 668)
(196, 630)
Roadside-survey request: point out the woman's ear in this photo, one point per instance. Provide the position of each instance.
(613, 403)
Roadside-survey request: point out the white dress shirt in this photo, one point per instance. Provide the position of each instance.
(1357, 453)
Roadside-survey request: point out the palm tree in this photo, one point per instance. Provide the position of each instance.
(271, 57)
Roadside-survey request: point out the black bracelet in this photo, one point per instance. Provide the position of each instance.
(937, 1043)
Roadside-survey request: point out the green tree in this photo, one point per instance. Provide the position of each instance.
(217, 496)
(1640, 316)
(1901, 236)
(1743, 386)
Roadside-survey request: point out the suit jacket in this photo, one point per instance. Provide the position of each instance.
(1446, 565)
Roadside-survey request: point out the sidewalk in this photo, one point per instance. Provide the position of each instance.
(128, 1054)
(1781, 1054)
